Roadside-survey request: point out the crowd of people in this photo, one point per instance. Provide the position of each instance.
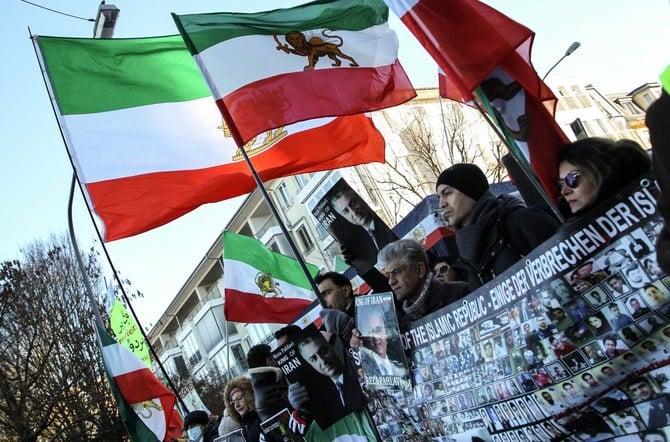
(491, 234)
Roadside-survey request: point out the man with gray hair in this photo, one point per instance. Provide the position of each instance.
(415, 287)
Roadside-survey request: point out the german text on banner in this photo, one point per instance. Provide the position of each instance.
(469, 40)
(146, 406)
(148, 144)
(262, 286)
(273, 68)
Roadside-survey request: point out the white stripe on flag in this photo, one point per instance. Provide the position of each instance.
(119, 360)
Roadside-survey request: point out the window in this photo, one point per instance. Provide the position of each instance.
(210, 330)
(302, 180)
(648, 98)
(285, 196)
(239, 356)
(304, 238)
(191, 350)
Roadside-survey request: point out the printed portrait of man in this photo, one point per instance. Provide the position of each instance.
(375, 357)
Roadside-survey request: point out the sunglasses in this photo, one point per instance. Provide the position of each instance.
(442, 270)
(570, 180)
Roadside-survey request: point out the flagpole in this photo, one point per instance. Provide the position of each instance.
(261, 187)
(530, 176)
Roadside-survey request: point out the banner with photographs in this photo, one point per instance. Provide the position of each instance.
(570, 343)
(358, 229)
(382, 356)
(308, 358)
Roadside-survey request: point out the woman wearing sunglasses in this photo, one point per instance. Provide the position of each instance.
(593, 169)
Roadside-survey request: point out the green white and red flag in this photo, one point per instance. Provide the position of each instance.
(262, 286)
(146, 406)
(477, 48)
(148, 144)
(273, 68)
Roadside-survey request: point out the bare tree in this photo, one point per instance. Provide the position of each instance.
(429, 147)
(52, 379)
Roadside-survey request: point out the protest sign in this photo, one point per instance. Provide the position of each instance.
(277, 428)
(382, 355)
(353, 224)
(572, 341)
(308, 358)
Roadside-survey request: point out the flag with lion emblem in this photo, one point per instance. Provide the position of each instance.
(262, 286)
(324, 58)
(146, 406)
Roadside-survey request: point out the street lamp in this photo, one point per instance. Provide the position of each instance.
(105, 20)
(573, 47)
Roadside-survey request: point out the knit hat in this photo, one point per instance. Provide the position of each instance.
(196, 417)
(466, 178)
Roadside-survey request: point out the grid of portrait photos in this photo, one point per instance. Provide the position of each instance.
(545, 367)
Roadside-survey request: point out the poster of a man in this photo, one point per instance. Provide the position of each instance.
(382, 355)
(351, 221)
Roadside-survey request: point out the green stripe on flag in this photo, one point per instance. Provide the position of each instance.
(252, 252)
(98, 75)
(202, 31)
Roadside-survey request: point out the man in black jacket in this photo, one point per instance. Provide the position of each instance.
(491, 233)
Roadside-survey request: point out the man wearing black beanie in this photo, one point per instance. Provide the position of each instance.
(491, 233)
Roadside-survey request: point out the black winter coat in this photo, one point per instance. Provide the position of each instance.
(270, 391)
(501, 232)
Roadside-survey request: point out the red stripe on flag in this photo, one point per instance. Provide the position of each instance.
(298, 96)
(132, 205)
(436, 235)
(466, 38)
(141, 385)
(250, 308)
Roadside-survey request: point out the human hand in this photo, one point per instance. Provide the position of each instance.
(298, 396)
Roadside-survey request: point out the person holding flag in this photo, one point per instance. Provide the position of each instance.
(491, 233)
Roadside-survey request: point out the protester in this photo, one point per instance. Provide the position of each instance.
(418, 292)
(338, 295)
(444, 269)
(491, 233)
(658, 122)
(240, 405)
(199, 427)
(593, 169)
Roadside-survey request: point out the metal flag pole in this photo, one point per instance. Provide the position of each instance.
(261, 187)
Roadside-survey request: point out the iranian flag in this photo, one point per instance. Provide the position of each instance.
(262, 286)
(146, 406)
(148, 144)
(269, 69)
(482, 52)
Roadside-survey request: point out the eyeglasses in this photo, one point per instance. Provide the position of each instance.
(570, 180)
(442, 270)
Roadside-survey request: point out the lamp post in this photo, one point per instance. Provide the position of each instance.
(105, 21)
(573, 47)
